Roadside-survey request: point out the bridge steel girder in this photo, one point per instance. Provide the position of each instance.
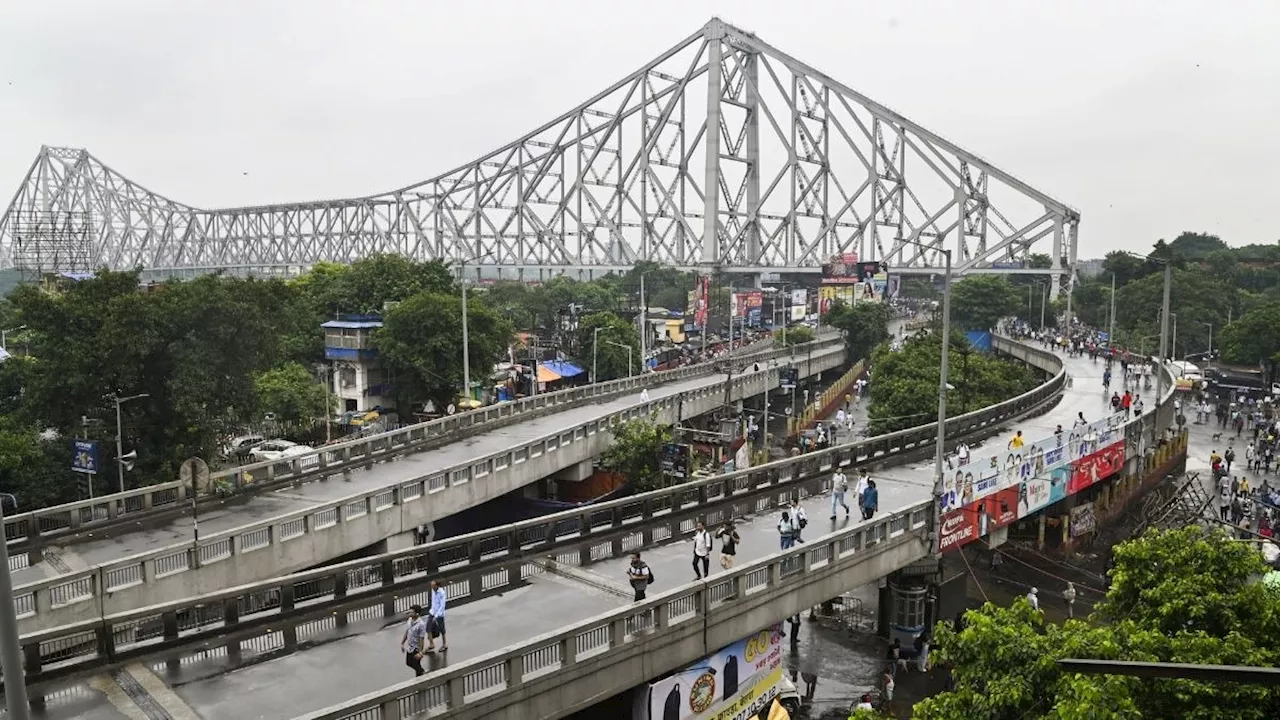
(723, 152)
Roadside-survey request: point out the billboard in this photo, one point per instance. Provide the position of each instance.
(841, 266)
(749, 305)
(736, 682)
(994, 490)
(799, 304)
(699, 299)
(675, 460)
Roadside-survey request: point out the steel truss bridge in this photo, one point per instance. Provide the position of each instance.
(722, 152)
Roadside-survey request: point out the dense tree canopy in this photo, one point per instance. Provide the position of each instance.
(421, 344)
(904, 389)
(1177, 596)
(979, 301)
(864, 326)
(1213, 286)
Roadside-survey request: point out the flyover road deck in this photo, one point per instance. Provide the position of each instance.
(264, 681)
(75, 553)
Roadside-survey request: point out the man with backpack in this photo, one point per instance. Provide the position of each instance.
(640, 576)
(729, 540)
(839, 486)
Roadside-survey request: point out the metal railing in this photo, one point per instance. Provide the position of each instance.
(132, 505)
(129, 582)
(698, 605)
(495, 560)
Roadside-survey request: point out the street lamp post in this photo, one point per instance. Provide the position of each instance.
(120, 433)
(1210, 326)
(940, 447)
(595, 353)
(466, 337)
(15, 681)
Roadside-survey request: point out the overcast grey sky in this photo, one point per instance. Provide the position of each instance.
(1149, 117)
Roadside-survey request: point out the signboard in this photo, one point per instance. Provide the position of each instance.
(736, 682)
(959, 527)
(1083, 521)
(675, 460)
(841, 266)
(748, 305)
(84, 456)
(788, 378)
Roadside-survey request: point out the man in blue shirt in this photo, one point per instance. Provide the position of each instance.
(415, 633)
(438, 600)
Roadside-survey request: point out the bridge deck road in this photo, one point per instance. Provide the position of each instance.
(365, 657)
(78, 552)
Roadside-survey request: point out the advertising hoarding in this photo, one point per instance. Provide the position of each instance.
(735, 682)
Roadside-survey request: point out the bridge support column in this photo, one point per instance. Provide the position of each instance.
(711, 181)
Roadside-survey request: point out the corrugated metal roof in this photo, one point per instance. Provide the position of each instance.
(352, 324)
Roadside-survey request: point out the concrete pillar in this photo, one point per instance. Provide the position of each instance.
(908, 609)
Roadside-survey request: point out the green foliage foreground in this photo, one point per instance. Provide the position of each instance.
(904, 388)
(1177, 596)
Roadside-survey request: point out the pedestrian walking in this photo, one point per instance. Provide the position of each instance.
(1033, 597)
(729, 539)
(1070, 596)
(701, 552)
(640, 576)
(435, 618)
(413, 640)
(786, 531)
(799, 520)
(870, 500)
(839, 486)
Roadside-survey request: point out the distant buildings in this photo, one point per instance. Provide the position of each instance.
(1089, 268)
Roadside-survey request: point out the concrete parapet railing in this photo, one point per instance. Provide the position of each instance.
(493, 560)
(652, 636)
(307, 537)
(28, 530)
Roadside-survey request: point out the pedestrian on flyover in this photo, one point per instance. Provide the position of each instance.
(435, 618)
(413, 640)
(701, 552)
(729, 540)
(1070, 596)
(644, 395)
(786, 531)
(800, 518)
(839, 486)
(640, 576)
(870, 500)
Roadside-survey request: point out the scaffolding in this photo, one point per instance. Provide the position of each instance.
(48, 243)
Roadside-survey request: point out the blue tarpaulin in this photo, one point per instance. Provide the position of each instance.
(561, 368)
(979, 339)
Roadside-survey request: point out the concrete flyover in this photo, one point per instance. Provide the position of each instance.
(557, 673)
(493, 561)
(393, 499)
(28, 532)
(313, 607)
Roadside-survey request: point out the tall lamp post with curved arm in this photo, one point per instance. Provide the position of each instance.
(940, 448)
(15, 685)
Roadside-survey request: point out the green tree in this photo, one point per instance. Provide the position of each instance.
(1196, 246)
(1253, 337)
(798, 335)
(904, 391)
(291, 393)
(35, 470)
(979, 301)
(610, 360)
(864, 326)
(420, 342)
(1177, 596)
(636, 453)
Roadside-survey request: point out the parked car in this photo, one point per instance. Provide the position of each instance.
(279, 450)
(238, 448)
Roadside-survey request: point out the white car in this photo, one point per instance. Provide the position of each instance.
(279, 450)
